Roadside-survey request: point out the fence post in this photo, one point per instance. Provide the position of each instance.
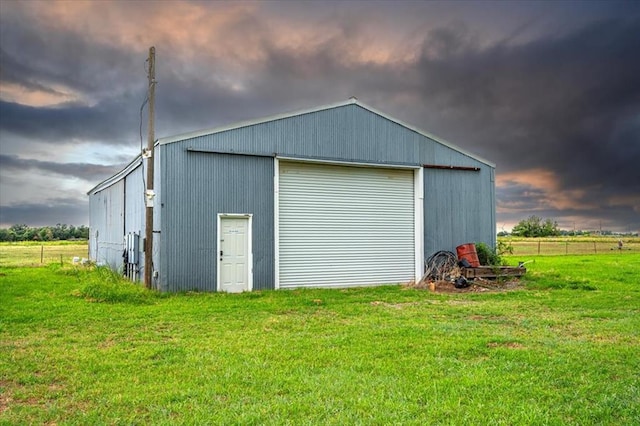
(538, 246)
(42, 253)
(566, 247)
(595, 249)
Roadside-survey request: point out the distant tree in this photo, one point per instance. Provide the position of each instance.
(18, 231)
(5, 235)
(60, 232)
(535, 226)
(46, 234)
(31, 234)
(22, 232)
(549, 228)
(82, 232)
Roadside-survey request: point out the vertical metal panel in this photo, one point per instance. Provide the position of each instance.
(348, 133)
(134, 212)
(115, 211)
(195, 188)
(457, 208)
(343, 226)
(157, 219)
(134, 202)
(106, 215)
(96, 222)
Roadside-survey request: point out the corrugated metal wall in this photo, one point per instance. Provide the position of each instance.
(106, 218)
(134, 203)
(115, 211)
(347, 133)
(96, 222)
(459, 206)
(458, 209)
(135, 210)
(196, 187)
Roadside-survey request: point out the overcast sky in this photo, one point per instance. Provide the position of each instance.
(549, 91)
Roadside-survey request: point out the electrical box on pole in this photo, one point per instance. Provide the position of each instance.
(149, 193)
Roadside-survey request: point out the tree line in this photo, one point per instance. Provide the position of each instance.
(22, 232)
(535, 226)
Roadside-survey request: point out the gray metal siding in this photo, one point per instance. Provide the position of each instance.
(157, 218)
(134, 210)
(458, 209)
(96, 222)
(115, 211)
(134, 202)
(106, 218)
(348, 133)
(198, 186)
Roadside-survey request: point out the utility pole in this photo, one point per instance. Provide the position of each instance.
(149, 194)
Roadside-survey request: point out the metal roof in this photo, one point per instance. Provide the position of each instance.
(118, 176)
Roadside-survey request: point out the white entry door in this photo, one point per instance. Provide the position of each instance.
(234, 254)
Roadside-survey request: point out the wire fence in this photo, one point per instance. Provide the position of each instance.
(541, 247)
(33, 254)
(19, 254)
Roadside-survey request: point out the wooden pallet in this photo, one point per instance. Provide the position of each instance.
(493, 272)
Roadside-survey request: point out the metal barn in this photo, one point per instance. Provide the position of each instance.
(335, 196)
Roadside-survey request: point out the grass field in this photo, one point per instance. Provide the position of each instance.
(78, 346)
(39, 253)
(571, 245)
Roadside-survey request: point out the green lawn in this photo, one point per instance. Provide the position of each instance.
(80, 347)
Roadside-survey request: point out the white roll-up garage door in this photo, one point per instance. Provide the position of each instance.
(345, 225)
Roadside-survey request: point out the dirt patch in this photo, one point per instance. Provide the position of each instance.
(5, 400)
(476, 286)
(510, 345)
(108, 343)
(482, 317)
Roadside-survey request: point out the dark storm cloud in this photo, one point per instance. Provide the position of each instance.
(559, 99)
(55, 62)
(286, 79)
(520, 197)
(101, 102)
(13, 71)
(565, 101)
(111, 121)
(85, 171)
(34, 53)
(570, 105)
(64, 210)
